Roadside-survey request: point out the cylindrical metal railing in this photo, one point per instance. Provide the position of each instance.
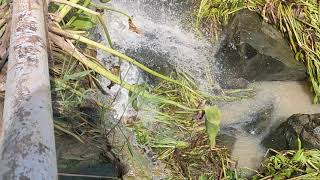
(27, 137)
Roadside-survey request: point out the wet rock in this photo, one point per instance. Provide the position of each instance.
(304, 126)
(234, 83)
(74, 157)
(90, 111)
(153, 59)
(256, 51)
(260, 121)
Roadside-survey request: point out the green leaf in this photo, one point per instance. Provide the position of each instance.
(84, 22)
(170, 142)
(203, 177)
(78, 75)
(298, 156)
(288, 172)
(213, 118)
(299, 144)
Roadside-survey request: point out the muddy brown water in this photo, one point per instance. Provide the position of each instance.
(286, 98)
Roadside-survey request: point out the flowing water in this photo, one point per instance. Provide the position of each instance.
(163, 45)
(164, 42)
(283, 98)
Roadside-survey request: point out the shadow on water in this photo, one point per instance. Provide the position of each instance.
(83, 161)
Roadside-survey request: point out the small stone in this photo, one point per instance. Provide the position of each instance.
(260, 121)
(317, 130)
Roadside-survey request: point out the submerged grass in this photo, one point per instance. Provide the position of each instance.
(297, 20)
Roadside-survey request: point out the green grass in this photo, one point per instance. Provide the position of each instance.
(3, 2)
(184, 122)
(72, 84)
(299, 164)
(184, 140)
(185, 113)
(299, 21)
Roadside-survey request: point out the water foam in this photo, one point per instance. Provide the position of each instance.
(163, 35)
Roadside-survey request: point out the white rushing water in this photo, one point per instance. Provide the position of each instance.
(164, 38)
(162, 42)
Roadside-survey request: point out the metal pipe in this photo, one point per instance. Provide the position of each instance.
(26, 133)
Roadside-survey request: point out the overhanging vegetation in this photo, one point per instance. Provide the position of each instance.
(299, 21)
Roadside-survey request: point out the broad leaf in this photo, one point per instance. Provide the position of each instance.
(213, 118)
(83, 24)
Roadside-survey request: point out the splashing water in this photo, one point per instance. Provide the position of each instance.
(163, 45)
(165, 42)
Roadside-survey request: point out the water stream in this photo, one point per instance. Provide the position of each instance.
(283, 98)
(166, 42)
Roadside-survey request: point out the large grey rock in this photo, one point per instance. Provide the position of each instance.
(155, 60)
(255, 50)
(304, 126)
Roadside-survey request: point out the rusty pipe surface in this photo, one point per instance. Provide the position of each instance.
(26, 136)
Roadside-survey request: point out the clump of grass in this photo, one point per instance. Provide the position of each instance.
(212, 15)
(182, 106)
(71, 85)
(300, 164)
(75, 87)
(74, 83)
(180, 138)
(297, 20)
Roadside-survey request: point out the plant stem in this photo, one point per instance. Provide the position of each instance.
(68, 132)
(85, 4)
(65, 10)
(120, 55)
(110, 9)
(2, 30)
(68, 47)
(104, 26)
(105, 29)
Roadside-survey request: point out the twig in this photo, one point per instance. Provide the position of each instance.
(120, 55)
(86, 175)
